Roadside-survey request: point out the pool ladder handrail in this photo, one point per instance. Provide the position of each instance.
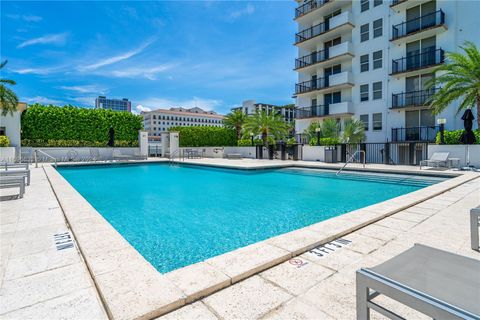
(45, 154)
(352, 158)
(171, 157)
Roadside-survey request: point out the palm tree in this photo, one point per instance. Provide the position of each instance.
(354, 131)
(264, 124)
(235, 120)
(330, 128)
(8, 98)
(460, 81)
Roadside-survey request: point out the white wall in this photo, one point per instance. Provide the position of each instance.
(313, 153)
(83, 153)
(12, 127)
(458, 151)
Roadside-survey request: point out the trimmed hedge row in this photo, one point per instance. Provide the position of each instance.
(69, 126)
(207, 136)
(453, 137)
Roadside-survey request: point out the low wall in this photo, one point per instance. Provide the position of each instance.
(246, 152)
(459, 151)
(313, 153)
(7, 154)
(77, 154)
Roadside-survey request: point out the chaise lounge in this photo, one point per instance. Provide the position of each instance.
(439, 284)
(437, 159)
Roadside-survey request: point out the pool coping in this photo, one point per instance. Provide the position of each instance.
(131, 288)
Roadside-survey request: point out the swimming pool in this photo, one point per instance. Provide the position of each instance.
(179, 215)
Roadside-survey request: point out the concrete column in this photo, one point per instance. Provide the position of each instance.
(143, 142)
(174, 142)
(165, 143)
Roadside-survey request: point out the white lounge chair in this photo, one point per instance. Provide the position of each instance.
(13, 182)
(436, 160)
(439, 284)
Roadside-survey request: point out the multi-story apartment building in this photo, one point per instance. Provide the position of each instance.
(161, 120)
(371, 60)
(249, 107)
(113, 104)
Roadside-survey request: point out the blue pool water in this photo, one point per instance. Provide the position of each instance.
(179, 215)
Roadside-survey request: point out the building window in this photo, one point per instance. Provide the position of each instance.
(377, 59)
(3, 131)
(364, 92)
(364, 29)
(376, 3)
(364, 63)
(377, 28)
(377, 121)
(364, 119)
(364, 5)
(377, 90)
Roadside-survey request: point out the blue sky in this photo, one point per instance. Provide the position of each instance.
(212, 54)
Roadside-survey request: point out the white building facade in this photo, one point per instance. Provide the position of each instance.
(160, 120)
(371, 60)
(249, 107)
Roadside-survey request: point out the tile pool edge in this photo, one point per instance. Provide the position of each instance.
(131, 288)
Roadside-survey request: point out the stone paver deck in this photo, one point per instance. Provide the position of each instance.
(37, 281)
(321, 284)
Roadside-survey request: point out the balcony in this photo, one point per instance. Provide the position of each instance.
(334, 81)
(422, 133)
(412, 98)
(427, 59)
(332, 54)
(324, 110)
(333, 27)
(400, 5)
(425, 26)
(309, 6)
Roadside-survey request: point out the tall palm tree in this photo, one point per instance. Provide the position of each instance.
(460, 81)
(8, 98)
(235, 120)
(264, 124)
(354, 131)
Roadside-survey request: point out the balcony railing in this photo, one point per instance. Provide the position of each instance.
(429, 57)
(422, 133)
(311, 85)
(312, 31)
(412, 98)
(421, 23)
(311, 112)
(395, 2)
(311, 59)
(309, 6)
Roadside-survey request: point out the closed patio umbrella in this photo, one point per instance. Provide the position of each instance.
(468, 137)
(111, 137)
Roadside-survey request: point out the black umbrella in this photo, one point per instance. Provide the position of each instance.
(111, 137)
(467, 136)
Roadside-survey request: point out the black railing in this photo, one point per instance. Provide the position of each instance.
(312, 32)
(421, 23)
(309, 6)
(311, 85)
(423, 133)
(412, 98)
(313, 111)
(311, 59)
(427, 58)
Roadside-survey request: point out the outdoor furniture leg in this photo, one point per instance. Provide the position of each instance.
(474, 224)
(22, 189)
(363, 311)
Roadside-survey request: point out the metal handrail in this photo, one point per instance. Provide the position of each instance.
(352, 158)
(46, 154)
(171, 157)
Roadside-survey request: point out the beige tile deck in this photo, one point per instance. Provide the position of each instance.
(37, 280)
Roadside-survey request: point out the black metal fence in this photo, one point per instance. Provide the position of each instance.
(423, 133)
(309, 6)
(421, 23)
(412, 98)
(312, 32)
(396, 153)
(312, 58)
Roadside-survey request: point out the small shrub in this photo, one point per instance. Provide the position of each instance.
(453, 137)
(325, 141)
(4, 141)
(248, 142)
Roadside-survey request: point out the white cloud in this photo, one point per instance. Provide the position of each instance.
(115, 59)
(88, 101)
(165, 103)
(249, 9)
(26, 17)
(39, 71)
(42, 100)
(85, 89)
(146, 72)
(140, 108)
(58, 38)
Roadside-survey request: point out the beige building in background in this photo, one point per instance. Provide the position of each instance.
(160, 120)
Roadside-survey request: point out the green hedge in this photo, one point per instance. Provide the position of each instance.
(453, 137)
(69, 126)
(206, 136)
(324, 141)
